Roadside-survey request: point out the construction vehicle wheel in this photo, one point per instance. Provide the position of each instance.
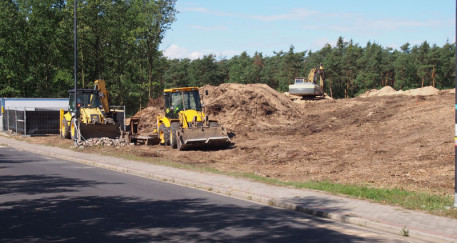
(65, 130)
(73, 132)
(173, 134)
(173, 138)
(178, 142)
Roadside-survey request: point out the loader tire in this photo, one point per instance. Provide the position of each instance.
(167, 136)
(178, 143)
(174, 135)
(65, 131)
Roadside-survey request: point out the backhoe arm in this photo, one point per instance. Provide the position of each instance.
(103, 94)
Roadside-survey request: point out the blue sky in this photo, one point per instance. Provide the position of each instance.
(228, 27)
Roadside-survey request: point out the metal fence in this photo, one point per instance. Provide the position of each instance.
(31, 121)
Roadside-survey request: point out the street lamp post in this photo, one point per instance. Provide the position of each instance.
(455, 141)
(76, 70)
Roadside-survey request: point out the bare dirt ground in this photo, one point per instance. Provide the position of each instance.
(384, 138)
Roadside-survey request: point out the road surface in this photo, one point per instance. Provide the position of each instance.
(44, 199)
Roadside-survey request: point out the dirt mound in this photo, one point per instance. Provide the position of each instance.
(429, 90)
(388, 91)
(148, 117)
(385, 91)
(248, 107)
(158, 103)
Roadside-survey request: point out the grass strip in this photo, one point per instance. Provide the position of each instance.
(434, 204)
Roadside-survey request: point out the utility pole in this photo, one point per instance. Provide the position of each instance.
(76, 71)
(455, 140)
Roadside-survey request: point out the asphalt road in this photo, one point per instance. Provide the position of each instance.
(43, 199)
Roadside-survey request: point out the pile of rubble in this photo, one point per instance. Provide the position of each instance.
(119, 142)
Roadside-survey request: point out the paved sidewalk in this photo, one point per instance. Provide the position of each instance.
(372, 215)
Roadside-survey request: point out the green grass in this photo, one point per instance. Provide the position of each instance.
(434, 204)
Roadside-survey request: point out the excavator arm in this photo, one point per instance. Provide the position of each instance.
(103, 94)
(315, 74)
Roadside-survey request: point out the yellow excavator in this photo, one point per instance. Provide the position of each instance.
(309, 86)
(96, 119)
(185, 125)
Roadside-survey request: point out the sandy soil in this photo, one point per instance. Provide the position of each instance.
(384, 138)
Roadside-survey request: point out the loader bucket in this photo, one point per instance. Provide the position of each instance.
(99, 130)
(202, 137)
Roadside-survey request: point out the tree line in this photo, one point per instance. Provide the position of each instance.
(118, 40)
(350, 69)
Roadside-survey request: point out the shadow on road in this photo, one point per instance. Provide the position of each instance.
(37, 184)
(117, 218)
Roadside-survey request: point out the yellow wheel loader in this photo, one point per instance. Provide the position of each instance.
(96, 119)
(185, 125)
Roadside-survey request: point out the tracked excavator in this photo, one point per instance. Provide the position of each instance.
(185, 125)
(96, 118)
(309, 86)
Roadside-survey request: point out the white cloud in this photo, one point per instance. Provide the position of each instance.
(208, 28)
(195, 55)
(295, 14)
(176, 52)
(364, 25)
(205, 10)
(195, 9)
(319, 43)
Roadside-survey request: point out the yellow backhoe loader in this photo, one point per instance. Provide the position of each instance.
(185, 125)
(92, 121)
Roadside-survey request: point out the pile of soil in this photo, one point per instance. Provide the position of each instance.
(389, 91)
(148, 116)
(243, 108)
(429, 90)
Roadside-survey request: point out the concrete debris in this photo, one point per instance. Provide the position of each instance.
(104, 141)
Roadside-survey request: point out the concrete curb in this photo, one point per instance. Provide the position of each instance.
(413, 233)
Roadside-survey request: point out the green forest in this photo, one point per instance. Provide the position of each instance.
(118, 40)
